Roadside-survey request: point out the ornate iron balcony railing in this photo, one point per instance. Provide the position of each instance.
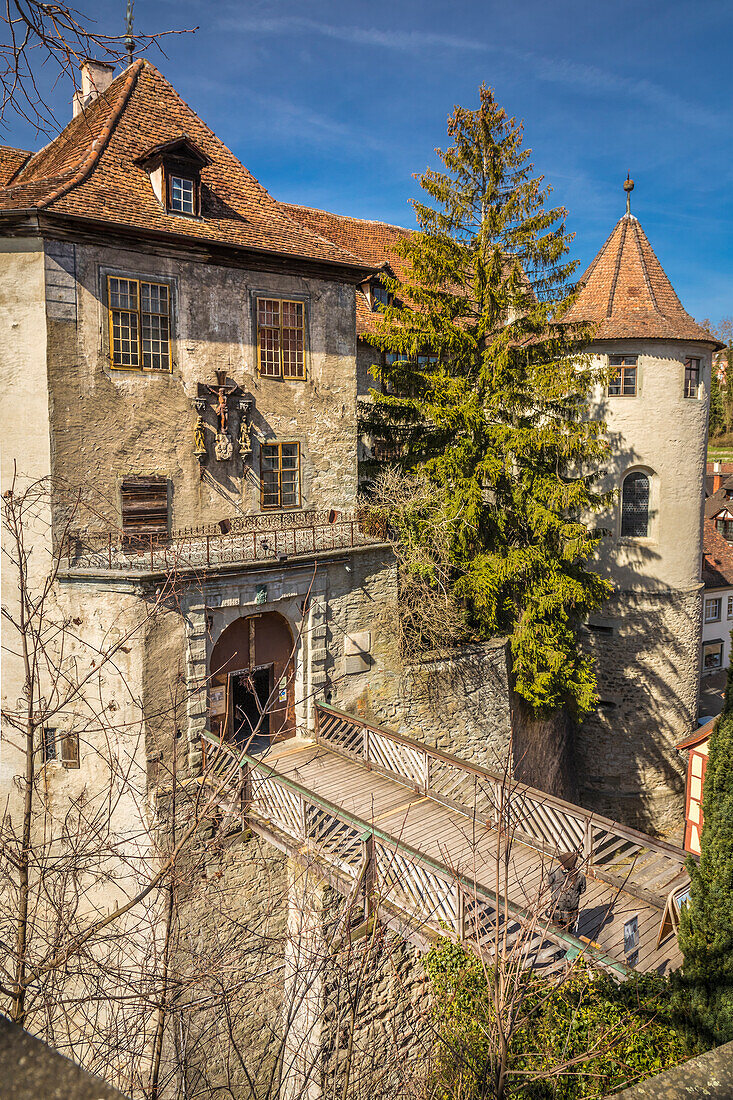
(241, 539)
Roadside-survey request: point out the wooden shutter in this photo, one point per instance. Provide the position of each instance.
(69, 749)
(145, 506)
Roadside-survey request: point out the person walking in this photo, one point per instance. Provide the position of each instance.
(566, 884)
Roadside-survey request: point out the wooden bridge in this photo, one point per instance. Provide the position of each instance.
(442, 846)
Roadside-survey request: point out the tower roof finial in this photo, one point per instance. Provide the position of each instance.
(628, 188)
(129, 40)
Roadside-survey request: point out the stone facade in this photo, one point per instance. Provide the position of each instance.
(108, 423)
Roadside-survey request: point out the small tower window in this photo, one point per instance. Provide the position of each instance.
(635, 506)
(622, 380)
(692, 377)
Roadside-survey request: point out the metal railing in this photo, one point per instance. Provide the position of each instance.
(395, 877)
(612, 852)
(259, 538)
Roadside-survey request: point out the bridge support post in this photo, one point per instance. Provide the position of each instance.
(305, 954)
(369, 873)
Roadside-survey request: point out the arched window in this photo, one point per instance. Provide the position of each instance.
(635, 506)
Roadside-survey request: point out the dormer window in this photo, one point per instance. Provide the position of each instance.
(175, 175)
(380, 295)
(182, 195)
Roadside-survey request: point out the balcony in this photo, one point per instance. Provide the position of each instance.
(241, 540)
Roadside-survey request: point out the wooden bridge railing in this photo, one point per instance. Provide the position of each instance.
(425, 893)
(613, 852)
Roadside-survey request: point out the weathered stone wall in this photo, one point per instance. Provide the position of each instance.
(107, 423)
(376, 1015)
(457, 701)
(647, 649)
(231, 926)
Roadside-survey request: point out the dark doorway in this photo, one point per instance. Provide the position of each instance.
(253, 663)
(250, 698)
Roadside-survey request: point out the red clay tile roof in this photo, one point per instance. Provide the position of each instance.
(626, 291)
(717, 561)
(372, 241)
(701, 734)
(10, 161)
(89, 171)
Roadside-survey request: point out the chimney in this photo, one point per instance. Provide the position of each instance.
(717, 477)
(96, 77)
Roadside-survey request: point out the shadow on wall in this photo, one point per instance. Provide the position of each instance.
(647, 665)
(457, 701)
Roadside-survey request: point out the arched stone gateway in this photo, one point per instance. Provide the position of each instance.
(251, 697)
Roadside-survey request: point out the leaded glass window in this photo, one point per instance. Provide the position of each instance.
(280, 475)
(635, 506)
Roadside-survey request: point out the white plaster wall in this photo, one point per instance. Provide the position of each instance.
(26, 448)
(721, 629)
(662, 432)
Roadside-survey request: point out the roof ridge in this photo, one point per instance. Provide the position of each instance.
(642, 261)
(260, 187)
(614, 281)
(99, 143)
(346, 217)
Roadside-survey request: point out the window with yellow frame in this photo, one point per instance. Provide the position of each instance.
(139, 324)
(280, 475)
(281, 338)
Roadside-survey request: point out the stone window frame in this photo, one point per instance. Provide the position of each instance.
(107, 271)
(717, 611)
(281, 296)
(653, 512)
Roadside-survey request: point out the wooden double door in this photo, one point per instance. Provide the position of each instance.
(251, 693)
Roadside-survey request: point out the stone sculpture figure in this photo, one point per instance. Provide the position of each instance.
(224, 447)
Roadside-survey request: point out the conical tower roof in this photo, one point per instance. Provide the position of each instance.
(626, 292)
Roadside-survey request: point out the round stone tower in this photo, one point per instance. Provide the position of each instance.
(647, 638)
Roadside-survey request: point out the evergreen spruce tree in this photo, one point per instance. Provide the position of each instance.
(486, 392)
(705, 987)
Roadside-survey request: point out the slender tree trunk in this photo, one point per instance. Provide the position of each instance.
(170, 916)
(543, 749)
(17, 1008)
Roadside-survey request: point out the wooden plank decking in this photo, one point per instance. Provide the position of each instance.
(466, 846)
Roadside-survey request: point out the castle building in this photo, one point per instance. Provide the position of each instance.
(182, 360)
(192, 351)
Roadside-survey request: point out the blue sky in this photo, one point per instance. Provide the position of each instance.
(336, 103)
